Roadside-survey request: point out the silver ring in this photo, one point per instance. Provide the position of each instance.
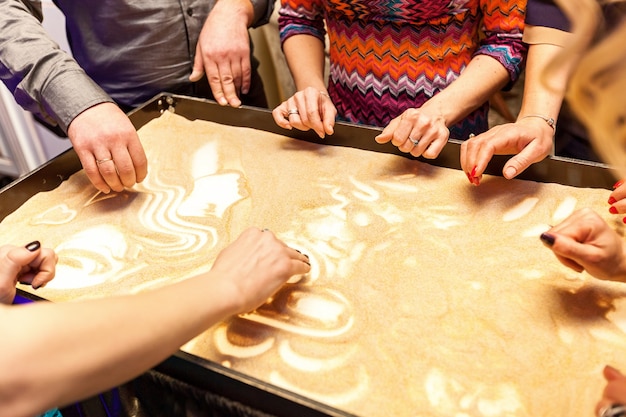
(414, 141)
(613, 410)
(292, 111)
(101, 161)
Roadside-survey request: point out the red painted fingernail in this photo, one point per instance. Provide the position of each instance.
(624, 220)
(613, 210)
(618, 183)
(473, 173)
(612, 200)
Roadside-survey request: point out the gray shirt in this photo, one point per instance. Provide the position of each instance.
(123, 50)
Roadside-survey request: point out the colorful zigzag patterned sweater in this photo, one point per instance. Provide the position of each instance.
(390, 55)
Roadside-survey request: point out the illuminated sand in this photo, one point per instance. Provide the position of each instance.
(428, 297)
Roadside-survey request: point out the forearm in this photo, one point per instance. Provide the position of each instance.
(477, 83)
(305, 58)
(544, 85)
(43, 78)
(73, 350)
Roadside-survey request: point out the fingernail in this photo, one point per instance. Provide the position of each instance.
(510, 172)
(547, 238)
(624, 220)
(33, 246)
(613, 210)
(618, 183)
(473, 173)
(612, 200)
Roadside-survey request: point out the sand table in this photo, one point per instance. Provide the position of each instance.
(427, 296)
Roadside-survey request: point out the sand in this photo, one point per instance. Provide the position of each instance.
(427, 296)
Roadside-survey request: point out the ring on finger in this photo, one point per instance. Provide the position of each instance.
(415, 142)
(102, 161)
(292, 111)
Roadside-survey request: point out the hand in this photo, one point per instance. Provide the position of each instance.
(584, 241)
(307, 109)
(530, 140)
(27, 265)
(223, 52)
(109, 149)
(617, 199)
(418, 132)
(615, 390)
(256, 265)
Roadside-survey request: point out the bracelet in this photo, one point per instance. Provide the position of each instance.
(549, 120)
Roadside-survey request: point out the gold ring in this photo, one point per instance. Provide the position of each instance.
(101, 161)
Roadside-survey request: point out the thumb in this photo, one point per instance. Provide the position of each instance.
(573, 253)
(528, 155)
(517, 164)
(197, 71)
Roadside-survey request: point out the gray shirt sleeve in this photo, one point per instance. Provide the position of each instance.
(262, 11)
(43, 78)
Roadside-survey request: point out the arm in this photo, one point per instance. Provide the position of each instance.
(303, 45)
(223, 48)
(496, 64)
(429, 124)
(530, 139)
(80, 357)
(48, 82)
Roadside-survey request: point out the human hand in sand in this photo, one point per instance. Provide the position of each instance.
(530, 140)
(585, 242)
(614, 393)
(31, 264)
(420, 132)
(307, 109)
(108, 146)
(255, 266)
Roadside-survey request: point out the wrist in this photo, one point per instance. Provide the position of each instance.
(550, 121)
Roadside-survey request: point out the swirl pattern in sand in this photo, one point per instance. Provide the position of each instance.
(427, 296)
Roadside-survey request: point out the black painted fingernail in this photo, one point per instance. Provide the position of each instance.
(547, 238)
(33, 246)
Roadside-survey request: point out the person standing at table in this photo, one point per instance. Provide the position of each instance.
(424, 70)
(124, 53)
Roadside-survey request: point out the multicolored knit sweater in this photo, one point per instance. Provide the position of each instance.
(390, 55)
